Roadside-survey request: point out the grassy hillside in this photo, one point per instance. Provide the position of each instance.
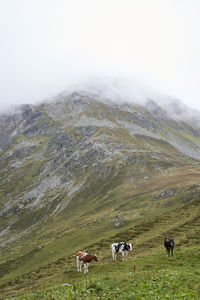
(53, 262)
(143, 277)
(80, 174)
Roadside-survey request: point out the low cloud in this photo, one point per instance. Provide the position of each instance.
(50, 46)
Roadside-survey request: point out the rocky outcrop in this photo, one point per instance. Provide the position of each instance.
(61, 151)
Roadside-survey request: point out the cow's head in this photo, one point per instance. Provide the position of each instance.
(130, 246)
(95, 257)
(127, 247)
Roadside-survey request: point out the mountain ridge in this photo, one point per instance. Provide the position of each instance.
(76, 163)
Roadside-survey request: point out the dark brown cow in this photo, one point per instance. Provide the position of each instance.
(169, 245)
(85, 259)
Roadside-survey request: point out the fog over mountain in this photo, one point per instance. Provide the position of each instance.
(48, 46)
(118, 92)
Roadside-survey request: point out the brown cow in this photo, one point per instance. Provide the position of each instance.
(85, 259)
(169, 245)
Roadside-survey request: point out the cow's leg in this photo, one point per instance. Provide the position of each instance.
(123, 255)
(126, 254)
(168, 252)
(113, 256)
(77, 262)
(86, 268)
(80, 265)
(172, 252)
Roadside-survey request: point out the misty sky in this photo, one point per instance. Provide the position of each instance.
(47, 45)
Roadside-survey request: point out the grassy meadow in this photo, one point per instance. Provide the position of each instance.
(152, 276)
(147, 274)
(140, 200)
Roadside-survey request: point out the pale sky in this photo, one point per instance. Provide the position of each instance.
(47, 45)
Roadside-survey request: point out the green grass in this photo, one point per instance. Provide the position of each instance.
(23, 262)
(153, 276)
(148, 273)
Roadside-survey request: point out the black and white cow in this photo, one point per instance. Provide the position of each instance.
(122, 248)
(169, 245)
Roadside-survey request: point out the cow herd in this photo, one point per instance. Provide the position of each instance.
(85, 259)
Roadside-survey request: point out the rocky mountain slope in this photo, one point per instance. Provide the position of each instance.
(78, 162)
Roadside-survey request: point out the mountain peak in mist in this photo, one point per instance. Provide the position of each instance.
(118, 91)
